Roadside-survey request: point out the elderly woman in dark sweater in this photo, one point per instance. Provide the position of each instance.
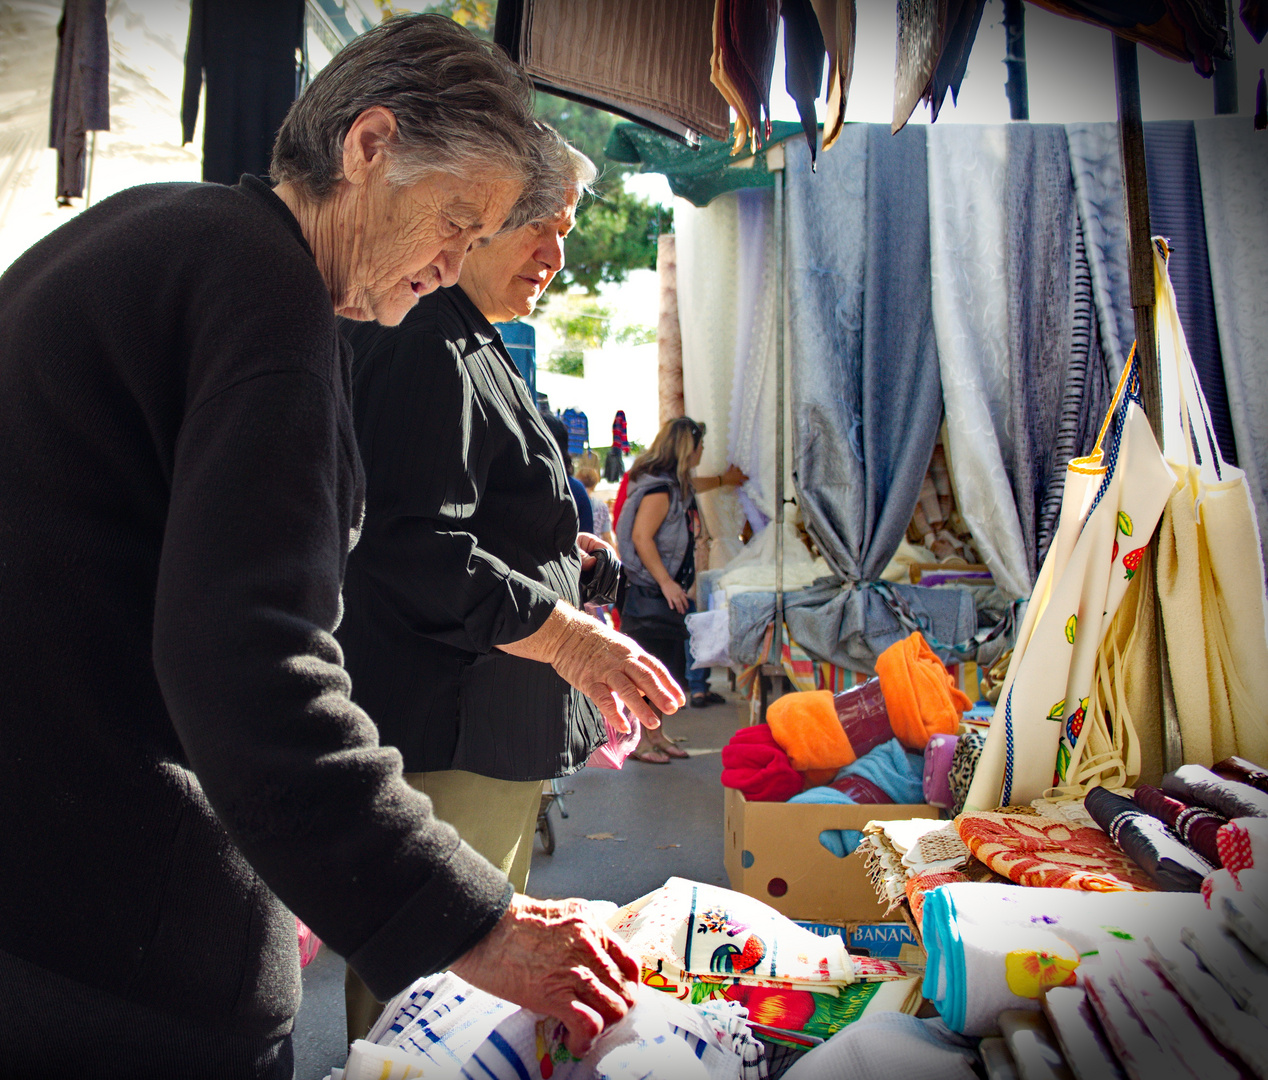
(469, 523)
(180, 753)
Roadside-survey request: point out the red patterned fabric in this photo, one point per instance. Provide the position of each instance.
(920, 884)
(1243, 844)
(1040, 852)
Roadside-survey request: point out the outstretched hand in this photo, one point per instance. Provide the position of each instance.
(609, 668)
(555, 957)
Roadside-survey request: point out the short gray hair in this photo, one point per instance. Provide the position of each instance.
(461, 108)
(563, 172)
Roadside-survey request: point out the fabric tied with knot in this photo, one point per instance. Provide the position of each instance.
(1150, 844)
(920, 695)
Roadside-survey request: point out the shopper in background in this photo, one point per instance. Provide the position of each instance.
(580, 497)
(602, 515)
(656, 534)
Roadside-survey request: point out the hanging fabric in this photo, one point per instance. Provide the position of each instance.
(1096, 164)
(668, 335)
(861, 344)
(1175, 211)
(803, 65)
(246, 51)
(1039, 221)
(708, 288)
(837, 19)
(751, 429)
(743, 62)
(967, 170)
(935, 38)
(647, 61)
(1233, 162)
(81, 90)
(1209, 567)
(1113, 499)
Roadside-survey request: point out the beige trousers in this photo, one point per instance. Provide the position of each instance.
(496, 817)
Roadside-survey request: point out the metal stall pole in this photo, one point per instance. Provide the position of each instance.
(774, 668)
(1141, 277)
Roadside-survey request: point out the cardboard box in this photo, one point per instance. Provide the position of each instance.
(773, 853)
(884, 940)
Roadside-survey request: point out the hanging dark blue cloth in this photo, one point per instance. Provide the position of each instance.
(246, 51)
(1175, 211)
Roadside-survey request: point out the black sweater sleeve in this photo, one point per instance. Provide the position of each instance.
(427, 443)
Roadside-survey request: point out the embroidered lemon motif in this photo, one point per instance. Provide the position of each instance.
(1030, 973)
(1063, 762)
(1071, 625)
(1124, 524)
(1057, 711)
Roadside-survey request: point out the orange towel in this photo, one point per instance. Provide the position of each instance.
(920, 695)
(806, 727)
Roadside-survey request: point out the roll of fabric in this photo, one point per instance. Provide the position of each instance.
(921, 884)
(921, 697)
(805, 725)
(861, 711)
(1197, 784)
(936, 782)
(752, 762)
(1195, 825)
(1243, 772)
(967, 752)
(1040, 852)
(996, 947)
(1243, 844)
(1152, 846)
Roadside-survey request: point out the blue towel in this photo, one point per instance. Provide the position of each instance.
(890, 768)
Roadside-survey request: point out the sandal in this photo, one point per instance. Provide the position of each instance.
(651, 756)
(670, 748)
(702, 699)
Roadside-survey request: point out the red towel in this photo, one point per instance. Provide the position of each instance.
(753, 763)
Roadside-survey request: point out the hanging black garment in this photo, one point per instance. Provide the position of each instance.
(246, 51)
(1176, 212)
(804, 54)
(963, 18)
(81, 89)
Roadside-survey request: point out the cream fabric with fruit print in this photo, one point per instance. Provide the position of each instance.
(1039, 740)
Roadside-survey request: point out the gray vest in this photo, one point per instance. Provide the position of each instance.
(672, 537)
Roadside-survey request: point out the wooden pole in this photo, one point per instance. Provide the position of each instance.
(1017, 87)
(1140, 265)
(774, 667)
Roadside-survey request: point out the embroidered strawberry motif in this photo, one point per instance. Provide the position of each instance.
(1074, 725)
(1131, 562)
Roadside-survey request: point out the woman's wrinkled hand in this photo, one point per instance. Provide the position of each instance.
(609, 668)
(675, 596)
(557, 958)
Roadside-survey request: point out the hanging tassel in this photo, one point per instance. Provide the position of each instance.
(1261, 103)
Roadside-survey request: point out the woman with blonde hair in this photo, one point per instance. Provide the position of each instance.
(656, 534)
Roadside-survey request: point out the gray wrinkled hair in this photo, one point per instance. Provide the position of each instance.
(461, 108)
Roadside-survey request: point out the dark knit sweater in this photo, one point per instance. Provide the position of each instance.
(178, 749)
(470, 538)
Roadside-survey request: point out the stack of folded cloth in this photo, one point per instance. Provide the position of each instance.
(702, 943)
(1154, 847)
(442, 1026)
(906, 858)
(997, 947)
(1030, 849)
